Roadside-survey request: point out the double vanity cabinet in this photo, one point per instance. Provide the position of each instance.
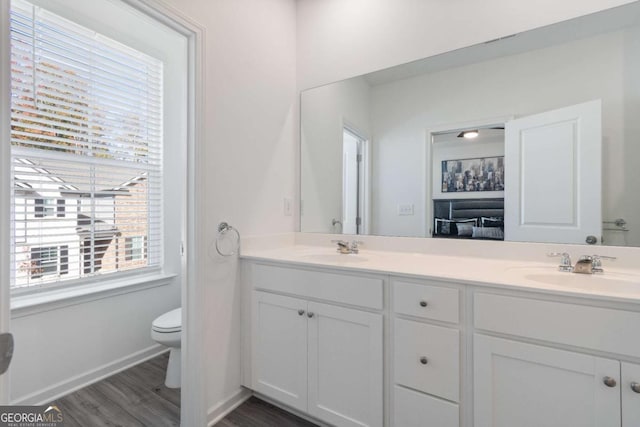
(354, 347)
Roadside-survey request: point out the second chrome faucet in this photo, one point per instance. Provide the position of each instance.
(587, 264)
(344, 247)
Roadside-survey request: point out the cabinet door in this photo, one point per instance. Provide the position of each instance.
(524, 385)
(630, 395)
(345, 366)
(279, 345)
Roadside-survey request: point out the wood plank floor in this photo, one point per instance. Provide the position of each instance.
(138, 397)
(258, 413)
(131, 398)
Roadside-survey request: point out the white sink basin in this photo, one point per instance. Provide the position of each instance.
(588, 281)
(335, 258)
(608, 281)
(549, 275)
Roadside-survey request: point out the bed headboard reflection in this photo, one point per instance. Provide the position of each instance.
(476, 213)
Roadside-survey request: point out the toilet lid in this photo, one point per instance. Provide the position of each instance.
(169, 322)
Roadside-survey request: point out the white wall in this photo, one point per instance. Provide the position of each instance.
(63, 348)
(338, 39)
(327, 110)
(398, 177)
(517, 85)
(251, 152)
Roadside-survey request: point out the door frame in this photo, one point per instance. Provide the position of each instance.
(5, 191)
(193, 405)
(428, 171)
(364, 176)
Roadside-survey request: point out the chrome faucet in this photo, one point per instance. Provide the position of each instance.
(590, 264)
(345, 247)
(584, 265)
(596, 262)
(565, 261)
(587, 264)
(355, 246)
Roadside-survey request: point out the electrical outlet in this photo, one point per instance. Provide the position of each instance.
(288, 208)
(405, 210)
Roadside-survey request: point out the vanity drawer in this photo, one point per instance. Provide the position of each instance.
(426, 301)
(595, 328)
(413, 409)
(416, 343)
(341, 288)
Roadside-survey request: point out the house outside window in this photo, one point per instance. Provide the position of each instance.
(86, 152)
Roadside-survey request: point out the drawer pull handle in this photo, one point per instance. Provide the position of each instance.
(301, 312)
(309, 315)
(423, 303)
(609, 382)
(635, 387)
(424, 360)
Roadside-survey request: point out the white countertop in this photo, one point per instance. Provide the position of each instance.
(614, 284)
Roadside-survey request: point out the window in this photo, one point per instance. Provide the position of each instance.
(45, 207)
(60, 208)
(45, 261)
(135, 248)
(86, 152)
(48, 260)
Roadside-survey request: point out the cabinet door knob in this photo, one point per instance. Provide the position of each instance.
(301, 312)
(609, 382)
(635, 387)
(309, 315)
(423, 303)
(424, 360)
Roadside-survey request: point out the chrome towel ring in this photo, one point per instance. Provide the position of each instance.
(223, 230)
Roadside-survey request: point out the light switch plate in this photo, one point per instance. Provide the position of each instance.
(6, 351)
(405, 210)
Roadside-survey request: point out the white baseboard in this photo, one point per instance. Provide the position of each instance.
(77, 382)
(224, 407)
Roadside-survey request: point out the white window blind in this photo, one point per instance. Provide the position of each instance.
(86, 151)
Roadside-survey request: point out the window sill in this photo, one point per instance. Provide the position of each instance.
(38, 302)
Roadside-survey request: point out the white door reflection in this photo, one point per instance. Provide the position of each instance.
(354, 182)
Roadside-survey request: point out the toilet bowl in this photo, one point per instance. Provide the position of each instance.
(167, 330)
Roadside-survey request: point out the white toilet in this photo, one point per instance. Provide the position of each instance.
(167, 330)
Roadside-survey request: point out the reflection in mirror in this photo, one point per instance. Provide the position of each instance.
(568, 97)
(468, 183)
(354, 182)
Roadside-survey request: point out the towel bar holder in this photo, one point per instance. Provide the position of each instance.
(619, 223)
(223, 229)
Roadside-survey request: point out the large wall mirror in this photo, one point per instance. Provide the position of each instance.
(532, 137)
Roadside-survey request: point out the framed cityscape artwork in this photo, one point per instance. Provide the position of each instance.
(480, 174)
